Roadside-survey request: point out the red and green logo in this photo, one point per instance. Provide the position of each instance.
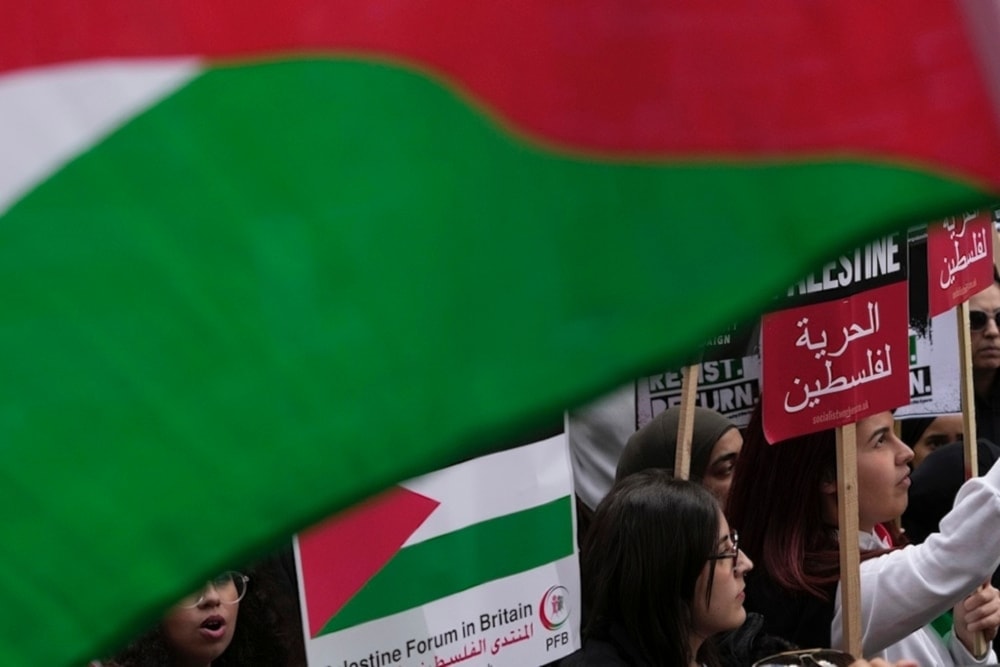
(554, 607)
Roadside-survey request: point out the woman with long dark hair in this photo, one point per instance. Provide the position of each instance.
(661, 575)
(784, 500)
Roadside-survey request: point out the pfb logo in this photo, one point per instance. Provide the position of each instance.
(554, 608)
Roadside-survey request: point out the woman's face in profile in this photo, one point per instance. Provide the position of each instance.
(883, 472)
(199, 634)
(724, 611)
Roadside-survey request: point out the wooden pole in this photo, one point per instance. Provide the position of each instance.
(685, 429)
(850, 552)
(979, 646)
(968, 392)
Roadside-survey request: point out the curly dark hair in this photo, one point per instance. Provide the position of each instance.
(267, 631)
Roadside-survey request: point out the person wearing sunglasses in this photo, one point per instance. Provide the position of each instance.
(984, 333)
(784, 499)
(661, 575)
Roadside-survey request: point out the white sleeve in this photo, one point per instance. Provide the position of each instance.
(906, 589)
(962, 655)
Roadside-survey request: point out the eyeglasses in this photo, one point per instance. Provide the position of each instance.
(979, 319)
(814, 657)
(734, 537)
(231, 586)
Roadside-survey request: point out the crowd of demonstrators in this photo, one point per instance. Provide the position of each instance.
(924, 435)
(236, 618)
(664, 562)
(784, 503)
(662, 575)
(926, 601)
(920, 603)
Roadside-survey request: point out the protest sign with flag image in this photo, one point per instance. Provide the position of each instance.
(475, 564)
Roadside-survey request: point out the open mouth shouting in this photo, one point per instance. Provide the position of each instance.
(213, 627)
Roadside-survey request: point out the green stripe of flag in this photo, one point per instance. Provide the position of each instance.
(457, 561)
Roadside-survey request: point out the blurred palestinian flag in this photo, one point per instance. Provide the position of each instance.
(263, 259)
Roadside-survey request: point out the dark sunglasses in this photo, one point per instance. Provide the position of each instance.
(978, 320)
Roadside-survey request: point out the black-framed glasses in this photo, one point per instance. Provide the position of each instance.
(978, 319)
(733, 553)
(230, 586)
(812, 657)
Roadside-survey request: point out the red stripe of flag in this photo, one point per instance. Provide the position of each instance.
(655, 78)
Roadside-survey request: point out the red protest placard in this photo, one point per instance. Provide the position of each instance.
(833, 363)
(959, 259)
(841, 352)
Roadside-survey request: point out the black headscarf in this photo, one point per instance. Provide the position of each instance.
(655, 444)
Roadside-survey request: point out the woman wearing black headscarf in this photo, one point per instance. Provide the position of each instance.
(715, 447)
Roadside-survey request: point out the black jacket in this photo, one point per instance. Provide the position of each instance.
(739, 648)
(801, 619)
(615, 650)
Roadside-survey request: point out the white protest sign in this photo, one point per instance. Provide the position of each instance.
(474, 565)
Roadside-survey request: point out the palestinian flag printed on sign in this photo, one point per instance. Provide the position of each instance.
(264, 260)
(463, 560)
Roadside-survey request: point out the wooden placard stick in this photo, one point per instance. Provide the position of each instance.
(969, 422)
(685, 427)
(968, 392)
(850, 551)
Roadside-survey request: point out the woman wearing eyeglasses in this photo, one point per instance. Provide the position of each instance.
(201, 626)
(195, 632)
(661, 573)
(233, 619)
(784, 500)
